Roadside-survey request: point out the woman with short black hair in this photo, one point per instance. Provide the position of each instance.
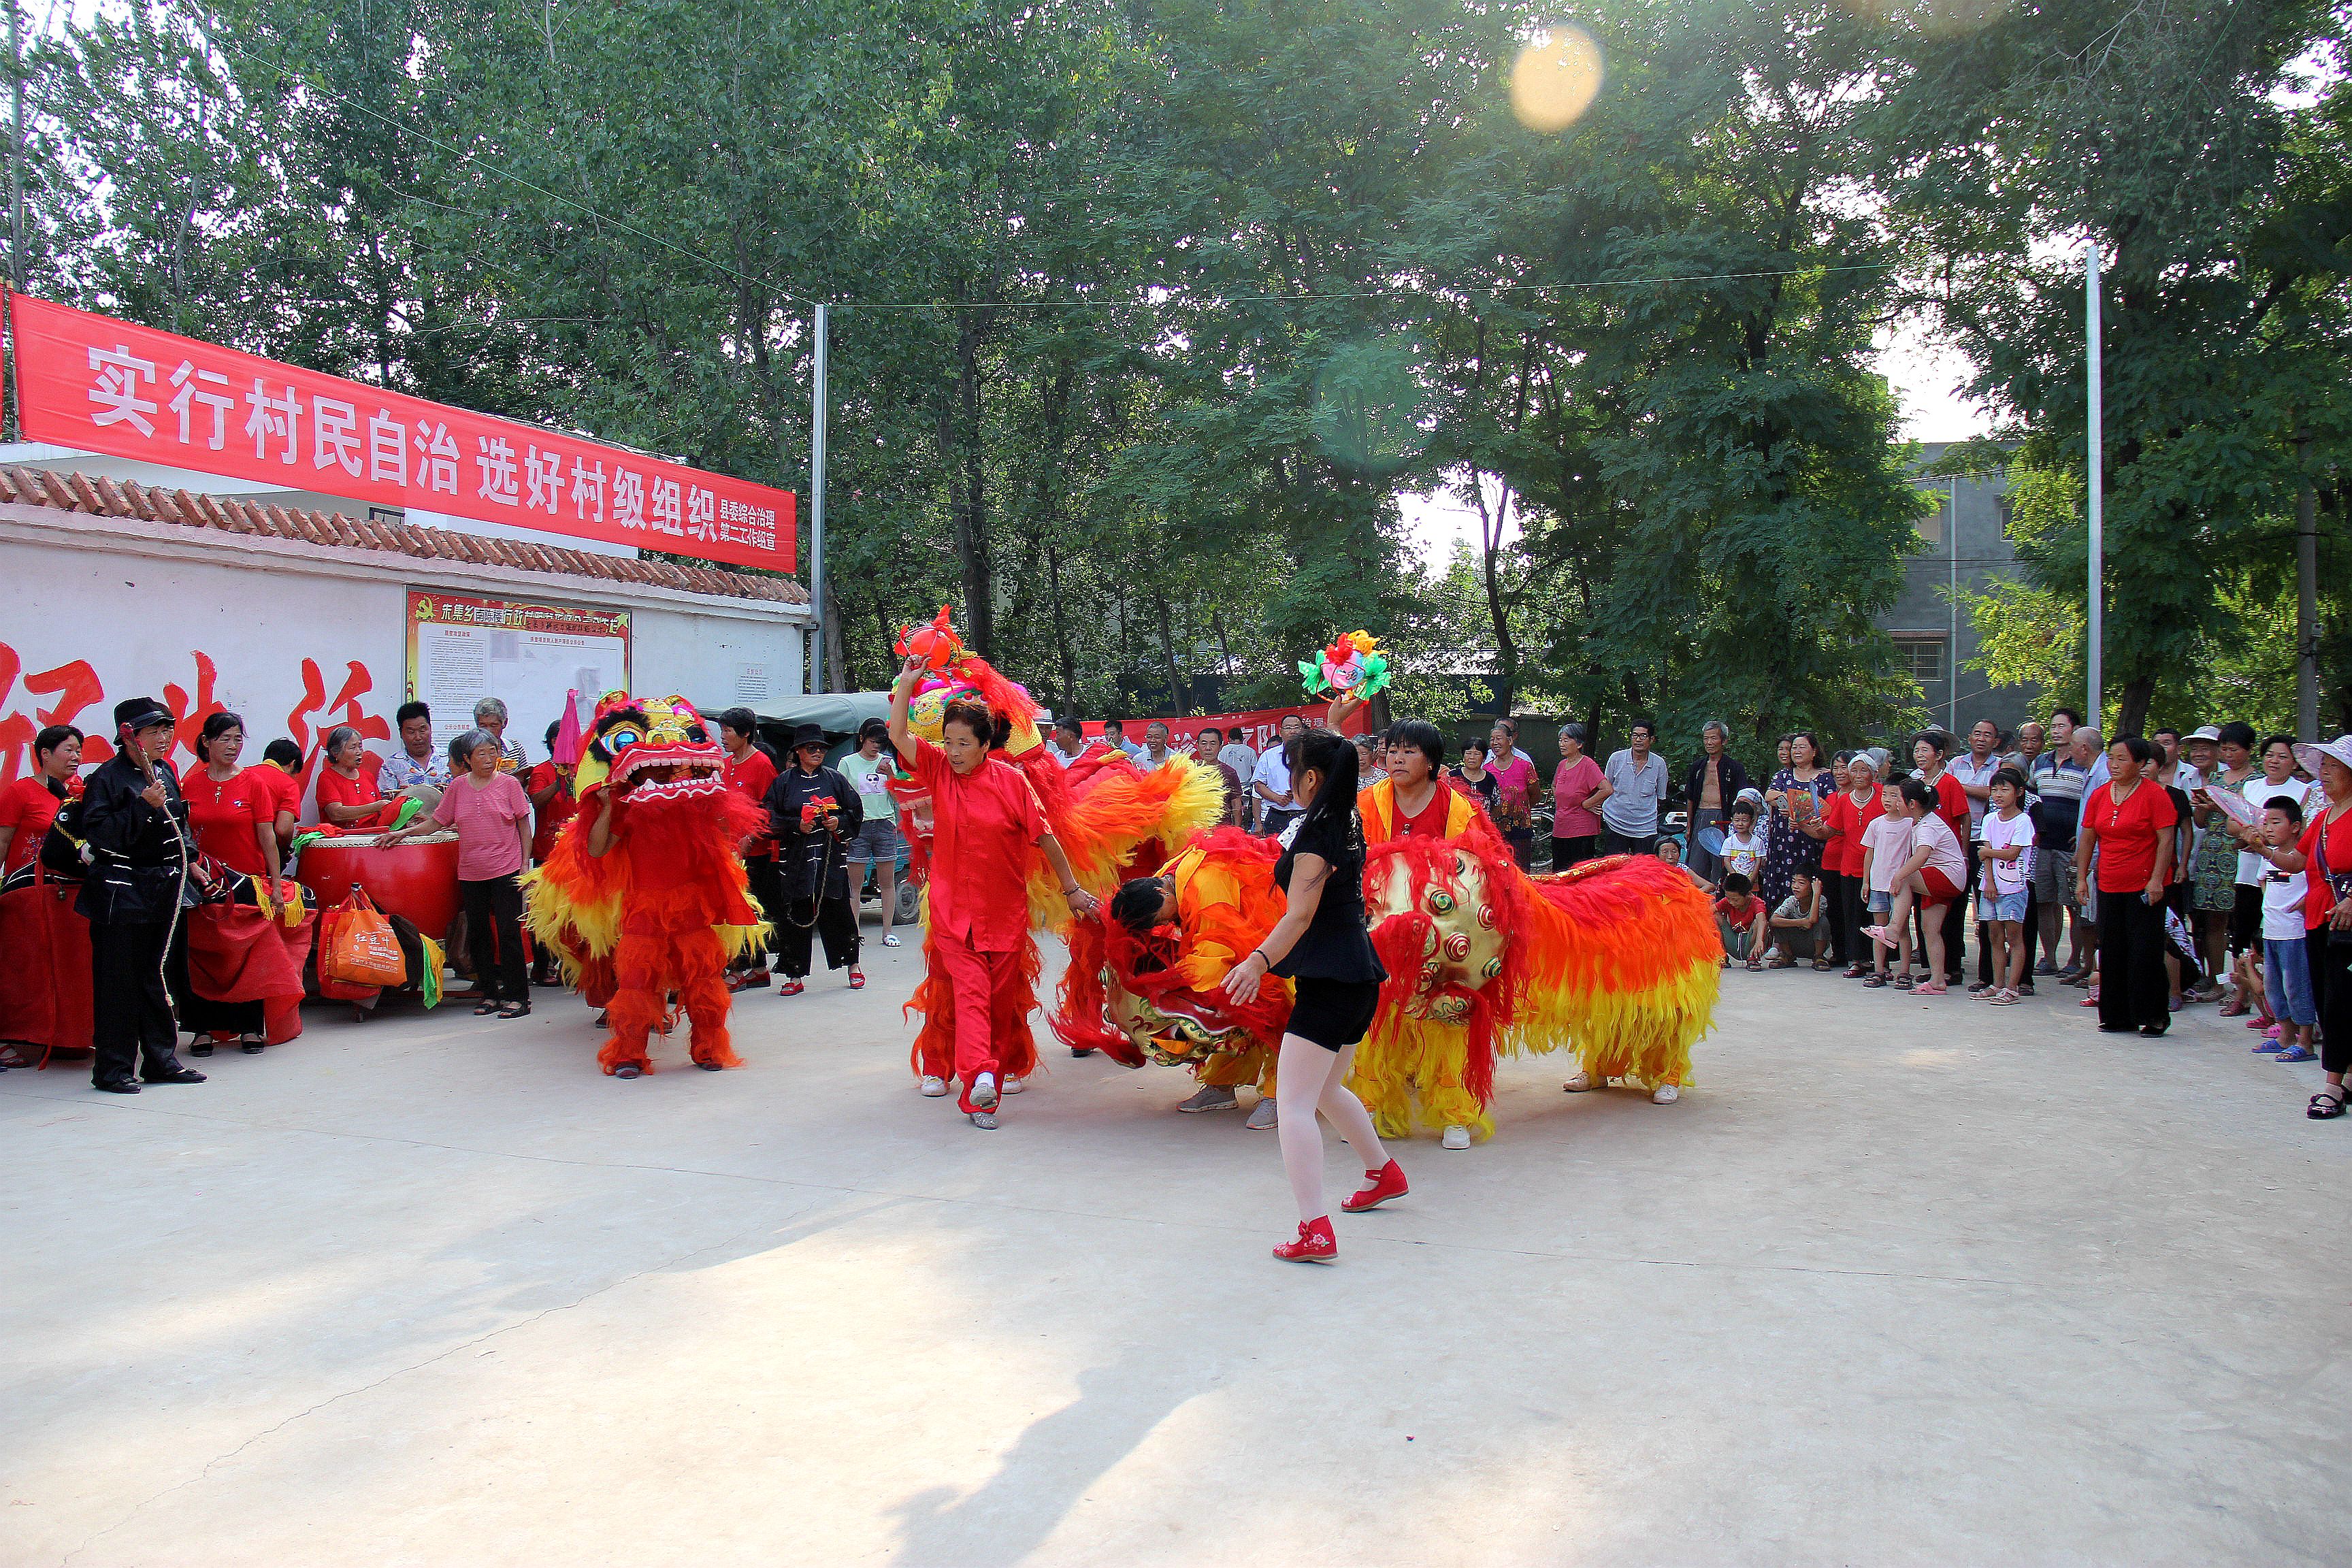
(2131, 821)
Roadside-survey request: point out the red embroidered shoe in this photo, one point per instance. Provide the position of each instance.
(1383, 1185)
(1314, 1244)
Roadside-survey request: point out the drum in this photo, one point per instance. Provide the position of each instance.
(416, 882)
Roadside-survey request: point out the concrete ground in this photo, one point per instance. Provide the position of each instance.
(1897, 1282)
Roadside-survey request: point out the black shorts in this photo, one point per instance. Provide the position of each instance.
(2245, 918)
(1334, 1014)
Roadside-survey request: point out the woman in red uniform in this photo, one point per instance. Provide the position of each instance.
(30, 804)
(984, 817)
(348, 797)
(2129, 821)
(234, 812)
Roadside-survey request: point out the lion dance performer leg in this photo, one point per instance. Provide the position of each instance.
(643, 896)
(1616, 958)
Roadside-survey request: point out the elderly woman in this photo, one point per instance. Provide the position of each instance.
(2130, 821)
(492, 816)
(349, 799)
(490, 719)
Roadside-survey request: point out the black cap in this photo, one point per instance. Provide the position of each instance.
(808, 735)
(142, 713)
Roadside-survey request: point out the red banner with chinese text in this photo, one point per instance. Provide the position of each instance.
(99, 385)
(1256, 729)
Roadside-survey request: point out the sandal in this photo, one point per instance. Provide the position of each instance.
(1756, 963)
(1933, 988)
(1901, 983)
(515, 1010)
(1875, 982)
(1856, 973)
(1821, 965)
(2004, 997)
(485, 1009)
(2327, 1104)
(857, 980)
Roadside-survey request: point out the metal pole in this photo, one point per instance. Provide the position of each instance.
(15, 154)
(816, 499)
(2306, 600)
(1952, 663)
(2095, 588)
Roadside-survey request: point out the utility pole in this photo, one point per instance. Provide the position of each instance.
(2306, 597)
(816, 499)
(2096, 591)
(15, 154)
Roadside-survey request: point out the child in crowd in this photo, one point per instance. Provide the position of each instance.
(1800, 924)
(2286, 970)
(1743, 846)
(1885, 843)
(1740, 920)
(2006, 855)
(1932, 877)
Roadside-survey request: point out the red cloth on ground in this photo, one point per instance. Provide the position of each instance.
(982, 824)
(980, 985)
(224, 812)
(27, 807)
(751, 778)
(45, 985)
(236, 953)
(561, 808)
(335, 789)
(2129, 834)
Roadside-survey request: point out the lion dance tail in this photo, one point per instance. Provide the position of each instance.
(1626, 965)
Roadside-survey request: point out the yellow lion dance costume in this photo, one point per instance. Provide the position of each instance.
(667, 906)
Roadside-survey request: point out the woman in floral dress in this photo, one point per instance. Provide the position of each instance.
(1799, 793)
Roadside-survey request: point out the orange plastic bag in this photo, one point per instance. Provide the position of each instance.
(360, 950)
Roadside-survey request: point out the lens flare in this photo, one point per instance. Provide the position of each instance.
(1556, 78)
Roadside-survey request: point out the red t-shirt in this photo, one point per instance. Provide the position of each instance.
(751, 778)
(982, 824)
(27, 807)
(1842, 851)
(335, 789)
(2129, 834)
(1429, 822)
(224, 813)
(561, 808)
(2317, 902)
(1952, 805)
(285, 790)
(1741, 912)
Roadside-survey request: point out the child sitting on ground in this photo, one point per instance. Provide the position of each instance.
(1800, 923)
(1743, 846)
(1740, 920)
(2007, 859)
(1884, 844)
(1933, 876)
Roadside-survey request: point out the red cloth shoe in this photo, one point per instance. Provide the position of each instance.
(791, 988)
(1315, 1244)
(1384, 1184)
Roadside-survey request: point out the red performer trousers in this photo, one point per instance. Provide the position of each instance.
(982, 988)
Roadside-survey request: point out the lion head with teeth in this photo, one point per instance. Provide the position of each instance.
(651, 751)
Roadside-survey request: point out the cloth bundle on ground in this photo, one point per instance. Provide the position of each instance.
(668, 905)
(252, 948)
(44, 995)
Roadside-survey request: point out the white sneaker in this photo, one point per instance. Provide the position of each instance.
(933, 1087)
(889, 940)
(1580, 1083)
(1013, 1084)
(984, 1091)
(1456, 1138)
(1262, 1119)
(1210, 1097)
(985, 1119)
(1665, 1094)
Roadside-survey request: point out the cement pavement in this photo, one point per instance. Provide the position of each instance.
(1897, 1282)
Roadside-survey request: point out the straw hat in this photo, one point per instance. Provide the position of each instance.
(2308, 756)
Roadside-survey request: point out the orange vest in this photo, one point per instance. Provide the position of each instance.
(1377, 806)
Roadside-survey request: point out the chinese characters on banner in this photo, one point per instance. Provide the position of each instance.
(99, 385)
(1256, 729)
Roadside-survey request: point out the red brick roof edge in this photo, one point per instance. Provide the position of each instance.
(125, 498)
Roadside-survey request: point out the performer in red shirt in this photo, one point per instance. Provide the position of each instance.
(280, 771)
(2129, 821)
(28, 805)
(234, 812)
(984, 817)
(748, 770)
(349, 798)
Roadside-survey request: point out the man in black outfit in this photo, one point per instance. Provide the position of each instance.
(136, 827)
(812, 867)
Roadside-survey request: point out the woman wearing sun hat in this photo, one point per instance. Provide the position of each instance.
(2326, 849)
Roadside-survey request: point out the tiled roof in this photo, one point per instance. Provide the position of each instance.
(103, 497)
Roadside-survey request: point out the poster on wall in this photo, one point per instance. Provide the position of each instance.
(462, 648)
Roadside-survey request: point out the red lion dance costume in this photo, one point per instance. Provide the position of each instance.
(1111, 820)
(666, 907)
(1618, 958)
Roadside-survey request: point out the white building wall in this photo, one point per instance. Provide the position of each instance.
(298, 638)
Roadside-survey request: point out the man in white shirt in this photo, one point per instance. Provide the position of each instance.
(1271, 783)
(1156, 754)
(1237, 755)
(1633, 787)
(1068, 743)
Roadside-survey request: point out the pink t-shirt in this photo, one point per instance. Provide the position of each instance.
(1515, 782)
(1571, 783)
(485, 815)
(1888, 844)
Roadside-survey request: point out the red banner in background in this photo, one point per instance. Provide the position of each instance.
(99, 385)
(1258, 726)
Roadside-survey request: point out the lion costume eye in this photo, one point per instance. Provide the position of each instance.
(626, 735)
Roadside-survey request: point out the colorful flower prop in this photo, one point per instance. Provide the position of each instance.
(1352, 666)
(936, 644)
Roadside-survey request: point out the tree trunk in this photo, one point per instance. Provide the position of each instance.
(1061, 632)
(2133, 718)
(836, 658)
(1168, 648)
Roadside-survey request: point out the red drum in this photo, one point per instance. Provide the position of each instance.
(416, 882)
